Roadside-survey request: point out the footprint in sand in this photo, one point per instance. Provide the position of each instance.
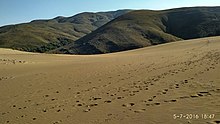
(151, 99)
(132, 94)
(170, 101)
(128, 104)
(107, 101)
(92, 105)
(57, 122)
(44, 110)
(217, 121)
(148, 104)
(58, 110)
(6, 78)
(139, 111)
(79, 104)
(86, 110)
(217, 90)
(204, 93)
(3, 113)
(157, 103)
(120, 97)
(165, 91)
(200, 94)
(53, 99)
(214, 122)
(154, 104)
(184, 97)
(96, 98)
(46, 96)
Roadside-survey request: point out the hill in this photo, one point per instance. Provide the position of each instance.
(45, 35)
(143, 28)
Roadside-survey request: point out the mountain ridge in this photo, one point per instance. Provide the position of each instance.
(44, 35)
(143, 28)
(113, 31)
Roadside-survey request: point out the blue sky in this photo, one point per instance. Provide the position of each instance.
(19, 11)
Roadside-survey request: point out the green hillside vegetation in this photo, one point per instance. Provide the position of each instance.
(190, 23)
(143, 28)
(106, 32)
(45, 35)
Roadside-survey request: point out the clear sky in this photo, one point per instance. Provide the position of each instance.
(19, 11)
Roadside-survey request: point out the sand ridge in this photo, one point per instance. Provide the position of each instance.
(147, 85)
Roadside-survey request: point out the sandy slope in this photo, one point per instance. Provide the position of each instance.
(144, 86)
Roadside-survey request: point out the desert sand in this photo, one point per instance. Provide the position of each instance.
(150, 85)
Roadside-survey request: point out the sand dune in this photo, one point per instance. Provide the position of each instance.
(151, 85)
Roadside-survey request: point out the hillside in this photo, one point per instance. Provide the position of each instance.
(45, 35)
(144, 28)
(151, 85)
